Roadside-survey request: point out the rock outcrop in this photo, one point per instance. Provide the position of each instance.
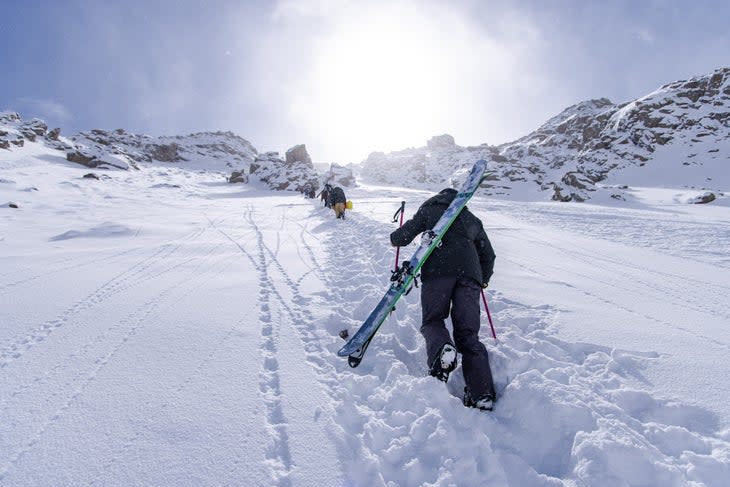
(205, 150)
(338, 175)
(678, 135)
(295, 173)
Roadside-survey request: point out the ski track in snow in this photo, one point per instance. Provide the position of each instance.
(68, 264)
(569, 413)
(118, 335)
(617, 305)
(275, 310)
(674, 286)
(131, 277)
(131, 443)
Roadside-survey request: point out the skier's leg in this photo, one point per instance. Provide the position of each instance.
(339, 209)
(435, 304)
(466, 321)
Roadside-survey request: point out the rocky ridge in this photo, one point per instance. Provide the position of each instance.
(119, 149)
(677, 136)
(209, 151)
(15, 132)
(592, 148)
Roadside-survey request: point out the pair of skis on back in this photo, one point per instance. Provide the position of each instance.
(403, 277)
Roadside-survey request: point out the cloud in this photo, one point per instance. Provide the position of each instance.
(44, 109)
(645, 35)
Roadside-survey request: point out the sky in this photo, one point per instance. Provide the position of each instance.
(344, 77)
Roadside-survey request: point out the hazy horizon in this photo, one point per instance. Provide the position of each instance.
(345, 78)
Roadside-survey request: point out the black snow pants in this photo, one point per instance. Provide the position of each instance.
(461, 297)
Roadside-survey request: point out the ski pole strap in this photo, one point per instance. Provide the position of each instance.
(399, 211)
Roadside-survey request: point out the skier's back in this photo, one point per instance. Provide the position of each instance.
(338, 200)
(452, 277)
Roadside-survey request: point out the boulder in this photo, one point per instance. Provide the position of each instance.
(703, 198)
(102, 160)
(238, 177)
(53, 134)
(338, 175)
(164, 152)
(80, 158)
(285, 175)
(444, 141)
(298, 153)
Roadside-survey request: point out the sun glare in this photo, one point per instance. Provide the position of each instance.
(376, 84)
(391, 77)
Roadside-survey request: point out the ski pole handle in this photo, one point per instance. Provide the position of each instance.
(489, 315)
(401, 210)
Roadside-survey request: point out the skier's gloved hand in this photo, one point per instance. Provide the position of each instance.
(485, 285)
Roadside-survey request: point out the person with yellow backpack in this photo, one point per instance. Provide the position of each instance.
(339, 201)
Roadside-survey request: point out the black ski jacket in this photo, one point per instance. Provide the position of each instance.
(337, 195)
(465, 248)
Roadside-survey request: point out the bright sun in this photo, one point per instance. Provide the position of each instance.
(378, 84)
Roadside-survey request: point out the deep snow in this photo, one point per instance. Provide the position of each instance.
(162, 327)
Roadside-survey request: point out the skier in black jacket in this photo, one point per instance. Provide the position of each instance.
(451, 280)
(338, 201)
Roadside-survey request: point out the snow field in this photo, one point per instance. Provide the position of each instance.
(183, 331)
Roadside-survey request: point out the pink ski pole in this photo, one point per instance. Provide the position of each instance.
(489, 315)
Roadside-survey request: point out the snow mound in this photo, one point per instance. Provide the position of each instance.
(105, 230)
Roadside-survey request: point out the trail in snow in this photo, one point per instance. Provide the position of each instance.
(201, 349)
(576, 387)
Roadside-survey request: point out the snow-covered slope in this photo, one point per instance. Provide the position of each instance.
(163, 327)
(677, 136)
(214, 151)
(118, 149)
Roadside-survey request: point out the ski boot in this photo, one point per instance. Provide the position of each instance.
(484, 403)
(445, 363)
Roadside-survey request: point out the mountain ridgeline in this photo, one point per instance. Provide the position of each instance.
(677, 136)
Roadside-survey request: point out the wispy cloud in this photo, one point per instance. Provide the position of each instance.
(44, 109)
(346, 77)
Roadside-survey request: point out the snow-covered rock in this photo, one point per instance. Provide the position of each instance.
(219, 151)
(338, 175)
(679, 135)
(15, 132)
(706, 197)
(296, 173)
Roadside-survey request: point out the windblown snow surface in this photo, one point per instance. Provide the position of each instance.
(164, 328)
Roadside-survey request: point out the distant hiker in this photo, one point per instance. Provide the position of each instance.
(452, 278)
(325, 195)
(308, 191)
(338, 201)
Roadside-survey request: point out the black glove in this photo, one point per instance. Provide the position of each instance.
(485, 285)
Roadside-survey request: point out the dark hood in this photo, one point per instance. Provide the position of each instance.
(444, 198)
